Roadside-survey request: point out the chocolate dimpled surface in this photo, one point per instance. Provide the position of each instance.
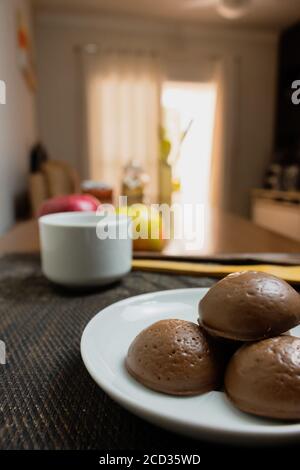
(249, 306)
(264, 378)
(175, 357)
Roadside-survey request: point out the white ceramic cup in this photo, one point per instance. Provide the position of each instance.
(73, 254)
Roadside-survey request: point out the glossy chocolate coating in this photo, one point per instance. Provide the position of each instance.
(175, 357)
(264, 378)
(249, 306)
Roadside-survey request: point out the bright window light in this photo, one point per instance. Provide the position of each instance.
(190, 108)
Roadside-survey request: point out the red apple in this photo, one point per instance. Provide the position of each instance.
(70, 203)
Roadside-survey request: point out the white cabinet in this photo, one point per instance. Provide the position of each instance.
(277, 212)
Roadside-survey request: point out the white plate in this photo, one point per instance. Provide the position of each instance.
(104, 345)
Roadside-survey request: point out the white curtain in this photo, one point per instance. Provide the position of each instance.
(122, 93)
(225, 153)
(217, 183)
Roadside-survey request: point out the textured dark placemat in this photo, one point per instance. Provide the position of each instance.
(47, 398)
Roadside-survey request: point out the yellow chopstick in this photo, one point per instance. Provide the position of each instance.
(289, 273)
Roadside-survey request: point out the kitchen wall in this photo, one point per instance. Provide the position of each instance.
(17, 116)
(185, 50)
(288, 113)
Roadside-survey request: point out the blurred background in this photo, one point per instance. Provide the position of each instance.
(159, 100)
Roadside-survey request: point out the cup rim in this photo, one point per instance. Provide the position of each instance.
(82, 219)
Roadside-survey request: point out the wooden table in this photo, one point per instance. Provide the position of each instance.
(225, 234)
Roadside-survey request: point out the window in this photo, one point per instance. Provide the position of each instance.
(189, 110)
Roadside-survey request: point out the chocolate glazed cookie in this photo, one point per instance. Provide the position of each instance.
(249, 306)
(175, 357)
(264, 378)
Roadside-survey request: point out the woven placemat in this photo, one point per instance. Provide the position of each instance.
(48, 400)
